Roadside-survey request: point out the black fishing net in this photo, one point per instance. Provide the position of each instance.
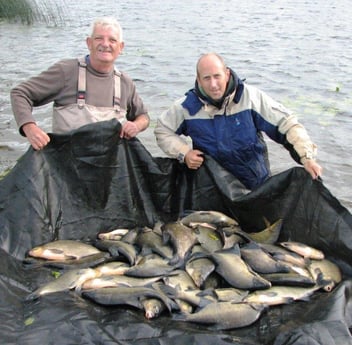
(89, 181)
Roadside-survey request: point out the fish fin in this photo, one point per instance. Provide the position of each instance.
(31, 263)
(207, 292)
(177, 262)
(145, 251)
(288, 300)
(181, 316)
(168, 290)
(307, 261)
(266, 222)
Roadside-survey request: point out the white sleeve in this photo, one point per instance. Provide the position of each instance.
(167, 124)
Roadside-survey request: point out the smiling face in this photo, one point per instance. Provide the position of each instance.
(212, 76)
(104, 46)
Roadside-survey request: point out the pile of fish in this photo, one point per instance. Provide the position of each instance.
(202, 268)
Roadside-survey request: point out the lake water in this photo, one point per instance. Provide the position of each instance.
(299, 52)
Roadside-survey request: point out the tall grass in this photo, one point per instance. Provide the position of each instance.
(31, 11)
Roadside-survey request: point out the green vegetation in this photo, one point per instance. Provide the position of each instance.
(31, 11)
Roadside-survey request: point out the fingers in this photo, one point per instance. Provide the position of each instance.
(36, 137)
(129, 130)
(194, 159)
(313, 168)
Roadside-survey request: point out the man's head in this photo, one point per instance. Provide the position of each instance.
(105, 43)
(212, 75)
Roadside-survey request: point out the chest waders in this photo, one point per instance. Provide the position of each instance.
(72, 116)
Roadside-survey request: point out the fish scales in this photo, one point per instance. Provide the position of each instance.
(236, 272)
(182, 239)
(212, 217)
(225, 315)
(63, 250)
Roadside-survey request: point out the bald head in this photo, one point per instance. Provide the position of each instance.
(212, 58)
(212, 75)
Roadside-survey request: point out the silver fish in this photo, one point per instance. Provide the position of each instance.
(63, 250)
(303, 250)
(147, 239)
(199, 269)
(328, 271)
(115, 234)
(230, 294)
(282, 293)
(123, 295)
(216, 218)
(291, 279)
(236, 272)
(152, 265)
(112, 268)
(116, 280)
(182, 280)
(208, 238)
(131, 235)
(284, 255)
(267, 297)
(119, 248)
(72, 279)
(260, 260)
(182, 239)
(232, 235)
(195, 297)
(224, 315)
(153, 307)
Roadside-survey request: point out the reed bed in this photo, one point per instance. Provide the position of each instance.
(33, 11)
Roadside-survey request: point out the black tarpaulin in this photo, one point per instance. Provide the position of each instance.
(89, 181)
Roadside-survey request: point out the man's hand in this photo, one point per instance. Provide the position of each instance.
(35, 135)
(314, 169)
(130, 129)
(194, 159)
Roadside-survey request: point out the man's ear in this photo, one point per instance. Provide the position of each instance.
(228, 73)
(88, 42)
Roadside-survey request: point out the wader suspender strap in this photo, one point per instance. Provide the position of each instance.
(81, 92)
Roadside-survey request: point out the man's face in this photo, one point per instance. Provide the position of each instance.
(213, 77)
(104, 46)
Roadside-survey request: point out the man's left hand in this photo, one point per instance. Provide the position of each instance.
(129, 130)
(314, 169)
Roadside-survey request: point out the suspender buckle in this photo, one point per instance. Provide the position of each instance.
(81, 95)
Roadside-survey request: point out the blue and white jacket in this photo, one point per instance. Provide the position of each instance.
(231, 132)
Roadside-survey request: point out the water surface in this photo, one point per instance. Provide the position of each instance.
(299, 52)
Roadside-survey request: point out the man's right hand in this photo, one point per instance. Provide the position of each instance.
(194, 159)
(36, 136)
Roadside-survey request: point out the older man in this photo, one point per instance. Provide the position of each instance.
(82, 90)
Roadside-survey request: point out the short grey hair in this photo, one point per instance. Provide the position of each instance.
(108, 22)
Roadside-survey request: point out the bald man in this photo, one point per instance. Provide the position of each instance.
(226, 119)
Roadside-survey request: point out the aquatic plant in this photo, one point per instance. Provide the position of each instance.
(31, 11)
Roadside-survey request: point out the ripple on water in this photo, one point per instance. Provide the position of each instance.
(298, 52)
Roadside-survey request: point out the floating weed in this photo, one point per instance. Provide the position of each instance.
(55, 274)
(29, 321)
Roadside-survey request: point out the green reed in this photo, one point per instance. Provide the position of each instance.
(31, 11)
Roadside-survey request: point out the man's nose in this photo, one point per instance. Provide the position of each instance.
(213, 82)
